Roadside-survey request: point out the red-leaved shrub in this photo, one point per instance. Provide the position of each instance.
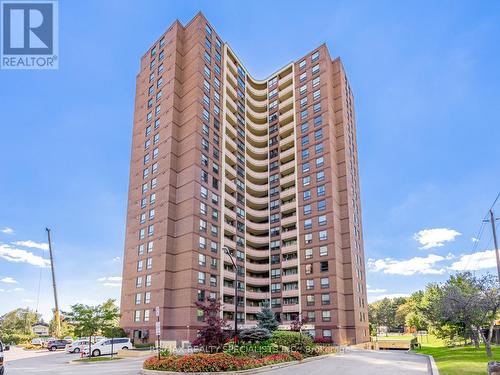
(201, 362)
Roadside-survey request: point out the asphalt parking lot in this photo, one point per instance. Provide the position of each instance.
(21, 362)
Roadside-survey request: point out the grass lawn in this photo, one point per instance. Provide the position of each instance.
(459, 360)
(96, 359)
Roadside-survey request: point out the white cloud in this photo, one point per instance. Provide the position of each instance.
(111, 281)
(417, 265)
(376, 291)
(7, 230)
(436, 237)
(9, 280)
(116, 259)
(389, 295)
(480, 260)
(474, 239)
(32, 244)
(27, 300)
(13, 254)
(18, 290)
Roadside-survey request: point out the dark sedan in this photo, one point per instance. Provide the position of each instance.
(57, 344)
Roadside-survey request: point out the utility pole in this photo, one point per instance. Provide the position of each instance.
(56, 312)
(494, 230)
(226, 250)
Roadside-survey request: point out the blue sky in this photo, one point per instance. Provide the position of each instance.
(426, 81)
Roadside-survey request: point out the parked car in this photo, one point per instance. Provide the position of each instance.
(2, 349)
(104, 346)
(77, 346)
(57, 344)
(68, 338)
(37, 341)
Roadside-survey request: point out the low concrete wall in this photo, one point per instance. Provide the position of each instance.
(134, 353)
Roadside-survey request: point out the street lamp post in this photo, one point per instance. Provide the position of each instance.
(226, 250)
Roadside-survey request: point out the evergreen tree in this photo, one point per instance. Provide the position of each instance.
(267, 319)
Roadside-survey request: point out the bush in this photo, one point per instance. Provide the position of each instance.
(254, 350)
(254, 335)
(201, 362)
(323, 340)
(294, 341)
(164, 352)
(322, 350)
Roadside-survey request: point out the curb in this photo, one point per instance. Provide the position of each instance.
(249, 371)
(433, 370)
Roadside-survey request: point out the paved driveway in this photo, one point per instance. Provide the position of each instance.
(358, 362)
(21, 362)
(352, 363)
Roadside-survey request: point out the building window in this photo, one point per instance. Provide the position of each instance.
(308, 224)
(315, 56)
(140, 266)
(302, 64)
(322, 220)
(309, 284)
(202, 260)
(306, 180)
(323, 235)
(147, 297)
(315, 82)
(323, 266)
(307, 194)
(138, 299)
(307, 209)
(308, 238)
(308, 253)
(320, 176)
(149, 263)
(325, 299)
(302, 76)
(321, 205)
(310, 300)
(315, 69)
(323, 251)
(325, 282)
(326, 316)
(201, 278)
(137, 316)
(148, 280)
(146, 315)
(202, 242)
(138, 282)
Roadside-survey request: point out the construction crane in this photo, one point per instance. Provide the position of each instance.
(57, 317)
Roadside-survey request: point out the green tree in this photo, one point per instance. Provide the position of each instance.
(15, 326)
(92, 320)
(266, 318)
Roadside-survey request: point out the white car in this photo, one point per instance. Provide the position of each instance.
(104, 346)
(77, 346)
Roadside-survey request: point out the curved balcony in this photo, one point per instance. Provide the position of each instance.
(287, 167)
(286, 130)
(256, 254)
(230, 185)
(288, 180)
(229, 243)
(287, 142)
(257, 165)
(257, 241)
(231, 65)
(256, 106)
(288, 192)
(257, 215)
(290, 308)
(257, 281)
(256, 93)
(257, 117)
(288, 235)
(230, 172)
(256, 152)
(289, 249)
(230, 199)
(228, 291)
(253, 309)
(229, 229)
(257, 140)
(290, 263)
(257, 228)
(289, 207)
(230, 275)
(257, 203)
(230, 214)
(289, 293)
(286, 80)
(257, 190)
(290, 278)
(287, 155)
(256, 295)
(258, 267)
(285, 93)
(257, 177)
(231, 92)
(255, 128)
(286, 117)
(286, 105)
(230, 158)
(230, 144)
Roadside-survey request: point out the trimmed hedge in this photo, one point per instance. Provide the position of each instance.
(201, 362)
(293, 341)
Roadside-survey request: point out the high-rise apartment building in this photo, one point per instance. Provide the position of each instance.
(265, 168)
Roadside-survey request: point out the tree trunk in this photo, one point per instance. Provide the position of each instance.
(487, 342)
(474, 336)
